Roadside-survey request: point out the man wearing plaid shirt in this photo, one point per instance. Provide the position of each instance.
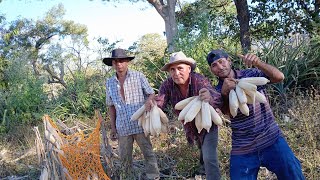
(126, 92)
(182, 83)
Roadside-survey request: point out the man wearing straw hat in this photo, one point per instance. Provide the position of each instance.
(126, 92)
(184, 83)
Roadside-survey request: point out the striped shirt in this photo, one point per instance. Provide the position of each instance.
(169, 94)
(136, 90)
(258, 130)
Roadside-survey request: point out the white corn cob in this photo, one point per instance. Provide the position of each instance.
(233, 103)
(260, 97)
(198, 122)
(193, 111)
(180, 105)
(241, 95)
(247, 86)
(147, 124)
(155, 120)
(163, 117)
(216, 119)
(244, 109)
(152, 130)
(250, 100)
(256, 80)
(252, 95)
(138, 113)
(206, 116)
(184, 111)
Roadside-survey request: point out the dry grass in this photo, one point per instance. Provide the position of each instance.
(300, 125)
(18, 155)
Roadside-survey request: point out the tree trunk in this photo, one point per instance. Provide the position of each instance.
(317, 15)
(316, 5)
(243, 19)
(167, 12)
(34, 63)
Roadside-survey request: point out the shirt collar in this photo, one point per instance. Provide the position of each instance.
(129, 73)
(237, 73)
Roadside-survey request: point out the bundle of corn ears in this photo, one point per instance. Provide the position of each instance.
(203, 113)
(153, 122)
(246, 93)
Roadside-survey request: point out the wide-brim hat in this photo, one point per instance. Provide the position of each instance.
(116, 54)
(179, 57)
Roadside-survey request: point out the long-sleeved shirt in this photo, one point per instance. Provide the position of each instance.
(136, 90)
(258, 130)
(169, 93)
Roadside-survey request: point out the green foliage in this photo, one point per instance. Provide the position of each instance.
(214, 18)
(297, 58)
(150, 57)
(84, 94)
(23, 103)
(199, 45)
(281, 18)
(3, 66)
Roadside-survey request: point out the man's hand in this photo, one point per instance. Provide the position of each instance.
(113, 135)
(148, 104)
(204, 95)
(228, 85)
(250, 60)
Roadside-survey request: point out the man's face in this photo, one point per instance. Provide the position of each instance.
(221, 67)
(120, 65)
(180, 73)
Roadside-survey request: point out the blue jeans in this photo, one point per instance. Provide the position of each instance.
(209, 154)
(277, 158)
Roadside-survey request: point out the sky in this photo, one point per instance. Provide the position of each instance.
(116, 21)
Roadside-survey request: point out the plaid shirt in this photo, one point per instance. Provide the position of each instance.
(169, 93)
(258, 130)
(136, 90)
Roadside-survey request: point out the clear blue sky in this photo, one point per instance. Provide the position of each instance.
(125, 22)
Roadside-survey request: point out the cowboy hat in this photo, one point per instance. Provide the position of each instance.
(179, 57)
(117, 54)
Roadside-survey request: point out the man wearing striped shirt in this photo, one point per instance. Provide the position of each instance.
(256, 139)
(126, 92)
(184, 83)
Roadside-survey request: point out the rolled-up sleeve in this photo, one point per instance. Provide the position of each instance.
(145, 85)
(162, 98)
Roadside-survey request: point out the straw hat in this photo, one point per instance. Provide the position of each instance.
(179, 57)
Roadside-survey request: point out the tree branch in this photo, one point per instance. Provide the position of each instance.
(55, 78)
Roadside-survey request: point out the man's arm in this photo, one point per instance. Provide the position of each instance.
(272, 72)
(112, 112)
